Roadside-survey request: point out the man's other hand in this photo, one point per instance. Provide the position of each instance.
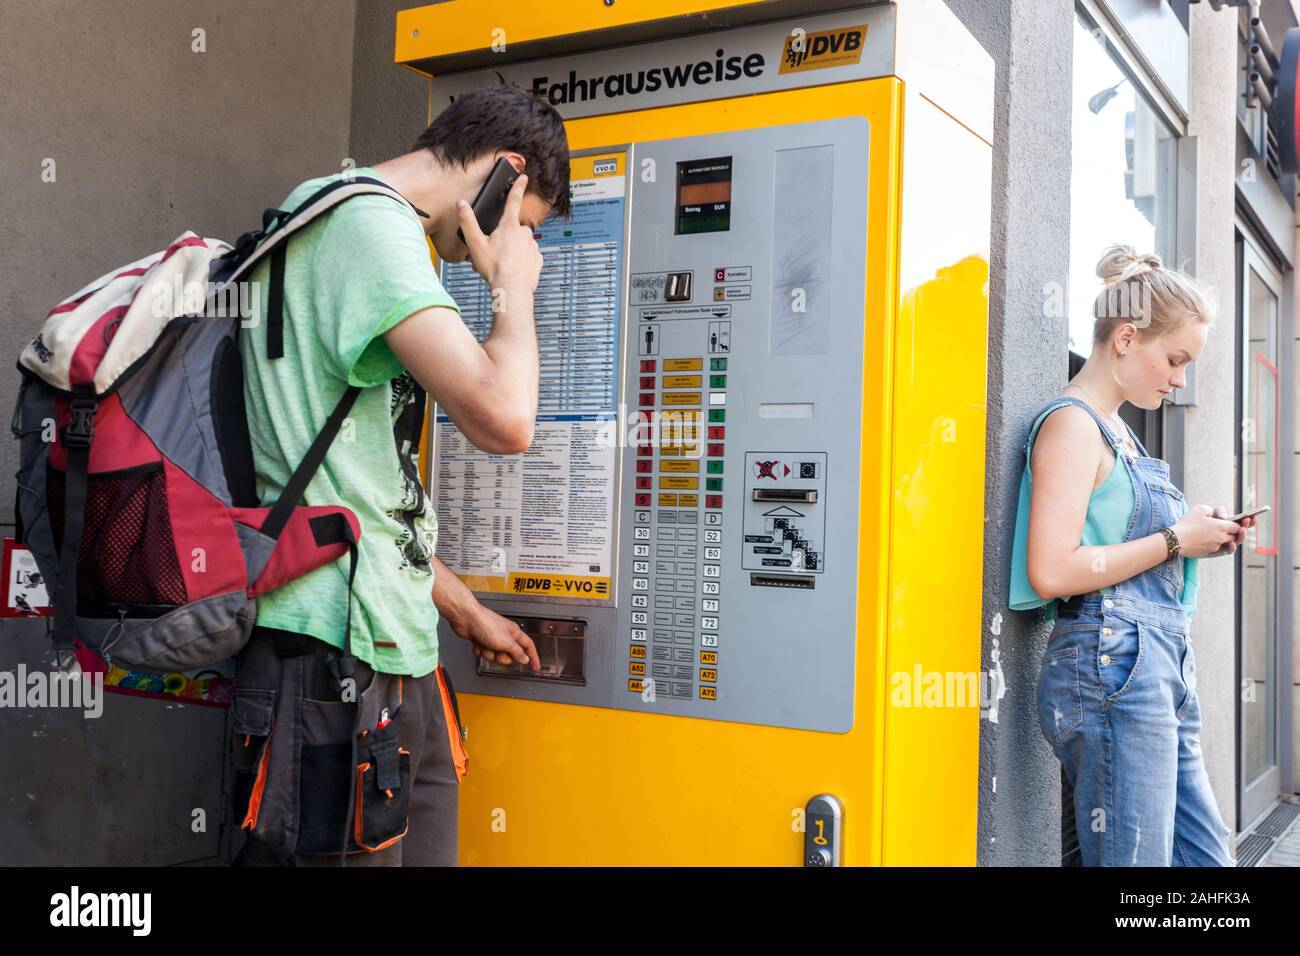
(497, 639)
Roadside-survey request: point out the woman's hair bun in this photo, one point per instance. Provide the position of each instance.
(1120, 262)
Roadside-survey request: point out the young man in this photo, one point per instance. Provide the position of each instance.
(363, 306)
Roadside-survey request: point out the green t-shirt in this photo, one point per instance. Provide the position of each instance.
(350, 276)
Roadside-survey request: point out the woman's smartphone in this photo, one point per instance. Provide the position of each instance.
(1248, 514)
(491, 199)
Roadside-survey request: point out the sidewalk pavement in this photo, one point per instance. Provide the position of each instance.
(1286, 851)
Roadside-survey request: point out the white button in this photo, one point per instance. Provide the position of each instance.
(1105, 658)
(1106, 631)
(1108, 602)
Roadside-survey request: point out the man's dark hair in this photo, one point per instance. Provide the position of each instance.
(506, 118)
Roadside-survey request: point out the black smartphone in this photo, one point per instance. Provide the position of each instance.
(491, 199)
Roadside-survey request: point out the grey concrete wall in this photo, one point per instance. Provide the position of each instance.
(1031, 43)
(390, 104)
(1210, 479)
(148, 138)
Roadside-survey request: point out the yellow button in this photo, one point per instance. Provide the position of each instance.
(686, 465)
(688, 501)
(679, 482)
(667, 501)
(636, 667)
(683, 381)
(683, 365)
(681, 398)
(634, 685)
(709, 693)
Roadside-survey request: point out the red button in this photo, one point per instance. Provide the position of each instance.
(643, 501)
(715, 451)
(647, 365)
(647, 381)
(717, 431)
(643, 483)
(645, 466)
(647, 398)
(713, 501)
(645, 450)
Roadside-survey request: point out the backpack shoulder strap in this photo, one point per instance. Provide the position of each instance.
(279, 224)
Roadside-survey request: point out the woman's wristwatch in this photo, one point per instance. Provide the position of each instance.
(1172, 547)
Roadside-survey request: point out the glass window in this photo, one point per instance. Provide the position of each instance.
(1259, 302)
(1124, 174)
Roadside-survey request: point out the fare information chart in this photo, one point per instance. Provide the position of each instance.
(542, 523)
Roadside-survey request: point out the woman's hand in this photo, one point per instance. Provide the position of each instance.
(1204, 533)
(1239, 539)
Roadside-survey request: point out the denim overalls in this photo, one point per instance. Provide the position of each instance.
(1117, 703)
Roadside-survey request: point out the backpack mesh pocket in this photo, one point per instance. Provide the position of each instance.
(127, 560)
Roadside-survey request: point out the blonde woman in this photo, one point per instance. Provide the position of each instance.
(1105, 538)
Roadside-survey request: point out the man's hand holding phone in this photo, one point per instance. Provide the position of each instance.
(508, 258)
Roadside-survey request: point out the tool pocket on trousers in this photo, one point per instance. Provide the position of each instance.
(252, 719)
(325, 774)
(1060, 708)
(1119, 655)
(383, 786)
(455, 732)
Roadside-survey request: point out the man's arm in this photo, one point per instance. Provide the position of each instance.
(489, 390)
(495, 637)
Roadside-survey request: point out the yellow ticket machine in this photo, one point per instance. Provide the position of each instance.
(747, 538)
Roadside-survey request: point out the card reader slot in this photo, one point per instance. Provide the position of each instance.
(805, 495)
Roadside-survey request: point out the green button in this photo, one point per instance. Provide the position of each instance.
(712, 484)
(717, 381)
(717, 414)
(717, 365)
(715, 467)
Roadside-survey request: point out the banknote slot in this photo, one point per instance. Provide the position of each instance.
(561, 645)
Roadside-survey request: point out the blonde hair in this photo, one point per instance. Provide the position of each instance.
(1142, 290)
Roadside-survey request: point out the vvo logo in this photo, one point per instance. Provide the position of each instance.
(815, 51)
(605, 167)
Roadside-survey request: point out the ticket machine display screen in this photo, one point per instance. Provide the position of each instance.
(704, 195)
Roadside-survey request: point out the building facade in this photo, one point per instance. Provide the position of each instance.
(1148, 124)
(1138, 121)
